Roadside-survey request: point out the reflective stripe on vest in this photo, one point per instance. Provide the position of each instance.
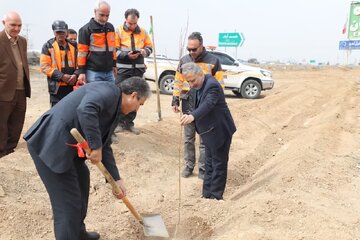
(125, 38)
(98, 42)
(56, 61)
(122, 65)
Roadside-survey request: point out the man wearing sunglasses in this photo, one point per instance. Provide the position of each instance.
(209, 65)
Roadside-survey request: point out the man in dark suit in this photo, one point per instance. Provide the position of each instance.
(94, 110)
(215, 125)
(14, 83)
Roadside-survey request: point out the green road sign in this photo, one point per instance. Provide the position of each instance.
(354, 21)
(233, 39)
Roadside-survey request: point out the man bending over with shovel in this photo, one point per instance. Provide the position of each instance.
(94, 110)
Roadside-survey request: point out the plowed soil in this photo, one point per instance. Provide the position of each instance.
(293, 169)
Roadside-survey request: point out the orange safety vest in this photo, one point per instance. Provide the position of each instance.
(209, 65)
(56, 60)
(123, 43)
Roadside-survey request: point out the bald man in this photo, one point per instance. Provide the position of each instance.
(14, 82)
(96, 47)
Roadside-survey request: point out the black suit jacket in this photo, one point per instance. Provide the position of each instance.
(94, 110)
(213, 119)
(8, 68)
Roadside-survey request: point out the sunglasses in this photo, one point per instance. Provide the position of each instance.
(192, 49)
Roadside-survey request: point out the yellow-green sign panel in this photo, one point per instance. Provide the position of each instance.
(354, 21)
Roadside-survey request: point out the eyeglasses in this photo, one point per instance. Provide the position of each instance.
(192, 49)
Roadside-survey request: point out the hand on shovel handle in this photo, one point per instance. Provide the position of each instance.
(101, 166)
(116, 189)
(122, 193)
(95, 155)
(152, 223)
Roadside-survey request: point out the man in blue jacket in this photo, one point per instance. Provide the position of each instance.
(94, 110)
(215, 125)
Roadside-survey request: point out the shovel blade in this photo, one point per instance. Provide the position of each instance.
(154, 225)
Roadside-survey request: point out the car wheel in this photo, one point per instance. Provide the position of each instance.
(167, 84)
(237, 93)
(250, 89)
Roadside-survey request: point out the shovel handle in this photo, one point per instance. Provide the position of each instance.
(75, 133)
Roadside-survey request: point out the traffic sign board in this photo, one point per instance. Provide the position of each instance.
(349, 44)
(233, 39)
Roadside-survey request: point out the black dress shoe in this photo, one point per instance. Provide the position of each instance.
(89, 236)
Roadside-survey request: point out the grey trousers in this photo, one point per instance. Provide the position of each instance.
(189, 148)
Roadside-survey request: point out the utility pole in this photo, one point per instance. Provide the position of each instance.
(26, 34)
(183, 37)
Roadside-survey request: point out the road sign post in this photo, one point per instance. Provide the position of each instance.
(233, 39)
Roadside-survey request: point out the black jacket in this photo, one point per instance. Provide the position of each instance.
(94, 110)
(213, 120)
(96, 47)
(209, 63)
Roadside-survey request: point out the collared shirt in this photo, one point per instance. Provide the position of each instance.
(19, 65)
(12, 39)
(199, 93)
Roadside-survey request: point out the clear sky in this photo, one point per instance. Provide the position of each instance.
(286, 30)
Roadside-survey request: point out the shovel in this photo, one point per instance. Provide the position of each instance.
(153, 224)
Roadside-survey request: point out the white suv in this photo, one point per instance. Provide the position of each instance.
(243, 80)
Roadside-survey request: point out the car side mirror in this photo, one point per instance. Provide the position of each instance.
(237, 63)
